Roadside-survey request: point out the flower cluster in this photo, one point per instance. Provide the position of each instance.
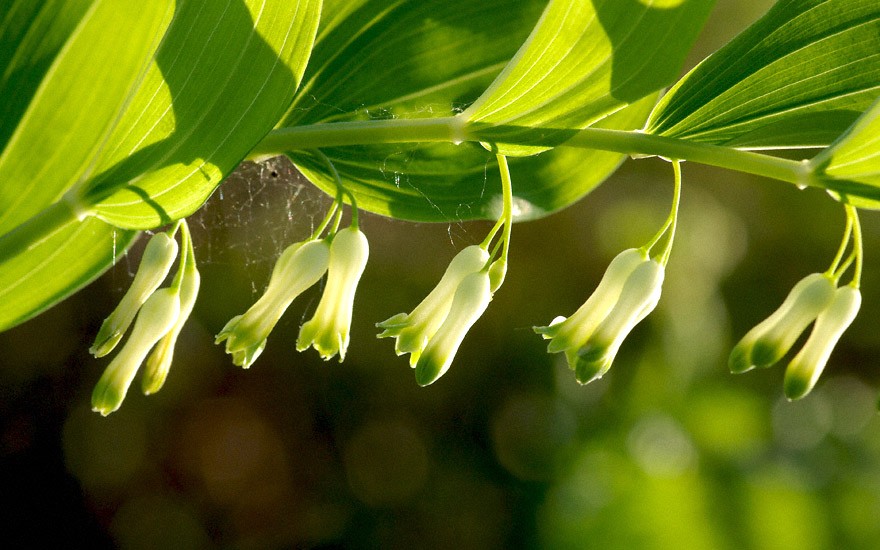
(434, 330)
(814, 299)
(591, 337)
(343, 257)
(158, 316)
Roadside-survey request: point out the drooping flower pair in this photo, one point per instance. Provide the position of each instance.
(628, 292)
(814, 299)
(434, 330)
(343, 257)
(158, 315)
(592, 336)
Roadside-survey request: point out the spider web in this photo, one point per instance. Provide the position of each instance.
(258, 211)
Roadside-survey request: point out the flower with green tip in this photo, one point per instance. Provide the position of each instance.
(299, 267)
(157, 316)
(156, 262)
(574, 331)
(159, 362)
(413, 330)
(327, 331)
(472, 297)
(806, 367)
(638, 297)
(771, 339)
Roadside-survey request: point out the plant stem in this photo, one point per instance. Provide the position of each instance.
(456, 130)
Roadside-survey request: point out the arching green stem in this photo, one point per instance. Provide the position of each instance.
(858, 246)
(844, 244)
(669, 226)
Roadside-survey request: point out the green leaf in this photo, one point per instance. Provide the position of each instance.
(853, 161)
(223, 76)
(50, 257)
(797, 77)
(446, 182)
(586, 59)
(55, 55)
(378, 59)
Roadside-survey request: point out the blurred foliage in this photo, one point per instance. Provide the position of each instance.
(506, 451)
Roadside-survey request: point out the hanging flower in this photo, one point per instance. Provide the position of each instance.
(591, 337)
(159, 362)
(573, 333)
(471, 298)
(638, 297)
(157, 316)
(299, 267)
(328, 329)
(413, 330)
(771, 339)
(156, 262)
(806, 367)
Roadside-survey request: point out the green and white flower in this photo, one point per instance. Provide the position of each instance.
(299, 267)
(806, 367)
(157, 316)
(328, 329)
(159, 362)
(591, 337)
(159, 255)
(638, 297)
(771, 339)
(413, 330)
(573, 332)
(471, 298)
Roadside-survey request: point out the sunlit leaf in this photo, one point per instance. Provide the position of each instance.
(854, 159)
(586, 59)
(223, 76)
(446, 182)
(66, 70)
(798, 77)
(39, 269)
(378, 59)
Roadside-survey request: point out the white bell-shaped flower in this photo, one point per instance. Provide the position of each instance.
(299, 267)
(638, 297)
(156, 262)
(771, 339)
(806, 367)
(572, 333)
(328, 329)
(157, 316)
(471, 298)
(414, 330)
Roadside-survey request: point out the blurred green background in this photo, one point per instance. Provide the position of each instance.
(669, 450)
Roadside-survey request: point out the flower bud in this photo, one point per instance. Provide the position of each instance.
(155, 319)
(328, 329)
(156, 262)
(413, 330)
(572, 333)
(497, 274)
(638, 297)
(300, 266)
(771, 339)
(471, 299)
(806, 367)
